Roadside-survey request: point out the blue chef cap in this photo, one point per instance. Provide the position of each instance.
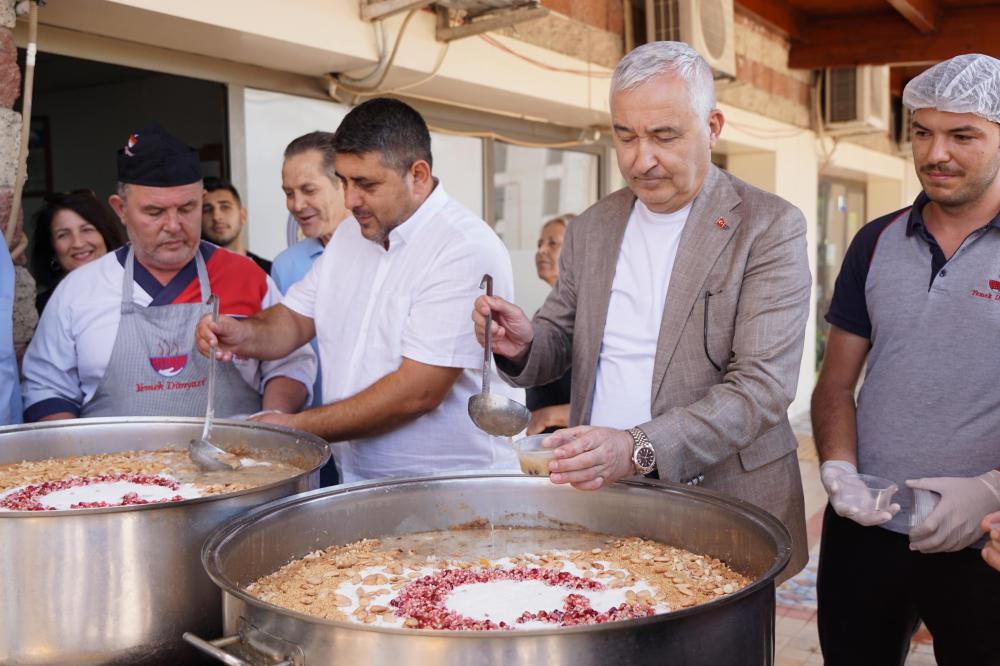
(154, 157)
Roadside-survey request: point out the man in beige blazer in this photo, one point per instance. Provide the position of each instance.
(697, 391)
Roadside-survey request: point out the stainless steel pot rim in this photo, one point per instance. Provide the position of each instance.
(194, 421)
(217, 538)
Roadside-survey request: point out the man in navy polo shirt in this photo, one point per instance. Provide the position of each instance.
(918, 299)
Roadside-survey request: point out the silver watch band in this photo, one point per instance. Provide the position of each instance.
(640, 441)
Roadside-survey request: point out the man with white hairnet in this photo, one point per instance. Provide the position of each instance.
(918, 299)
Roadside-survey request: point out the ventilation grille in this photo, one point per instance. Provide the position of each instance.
(842, 89)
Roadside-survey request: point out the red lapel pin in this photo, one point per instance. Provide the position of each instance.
(721, 223)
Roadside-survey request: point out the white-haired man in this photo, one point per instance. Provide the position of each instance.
(681, 304)
(917, 300)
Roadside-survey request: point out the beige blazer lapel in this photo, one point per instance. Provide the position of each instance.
(702, 240)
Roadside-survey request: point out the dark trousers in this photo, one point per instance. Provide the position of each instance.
(873, 591)
(328, 475)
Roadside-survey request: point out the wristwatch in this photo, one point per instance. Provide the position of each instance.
(643, 453)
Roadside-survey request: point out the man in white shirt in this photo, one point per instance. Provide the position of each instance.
(681, 304)
(388, 303)
(315, 199)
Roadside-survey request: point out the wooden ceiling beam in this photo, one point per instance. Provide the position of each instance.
(777, 13)
(845, 41)
(922, 14)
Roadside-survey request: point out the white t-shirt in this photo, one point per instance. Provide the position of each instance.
(638, 294)
(71, 348)
(372, 307)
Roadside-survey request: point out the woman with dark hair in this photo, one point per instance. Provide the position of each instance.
(71, 229)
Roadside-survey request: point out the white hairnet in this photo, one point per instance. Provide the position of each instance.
(968, 83)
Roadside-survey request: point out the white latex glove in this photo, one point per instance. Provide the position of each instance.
(954, 522)
(849, 496)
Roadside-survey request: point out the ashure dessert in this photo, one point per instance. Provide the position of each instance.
(429, 580)
(532, 456)
(125, 479)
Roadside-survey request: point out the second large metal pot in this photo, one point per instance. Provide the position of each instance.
(120, 585)
(737, 629)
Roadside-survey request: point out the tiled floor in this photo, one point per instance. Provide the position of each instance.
(796, 641)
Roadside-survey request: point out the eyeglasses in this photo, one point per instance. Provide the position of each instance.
(61, 197)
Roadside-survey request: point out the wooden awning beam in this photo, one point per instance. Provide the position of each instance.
(890, 39)
(778, 13)
(922, 14)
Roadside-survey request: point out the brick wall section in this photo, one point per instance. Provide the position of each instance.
(764, 83)
(580, 33)
(607, 15)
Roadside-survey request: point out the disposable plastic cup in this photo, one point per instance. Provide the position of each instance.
(922, 502)
(533, 457)
(881, 490)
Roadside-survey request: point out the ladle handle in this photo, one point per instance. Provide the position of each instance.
(487, 282)
(213, 300)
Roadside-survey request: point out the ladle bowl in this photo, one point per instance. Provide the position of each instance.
(494, 413)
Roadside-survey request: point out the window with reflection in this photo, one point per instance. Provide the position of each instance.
(532, 185)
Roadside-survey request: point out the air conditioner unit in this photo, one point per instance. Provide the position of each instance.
(856, 99)
(707, 25)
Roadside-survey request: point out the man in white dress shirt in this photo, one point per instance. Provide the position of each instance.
(388, 303)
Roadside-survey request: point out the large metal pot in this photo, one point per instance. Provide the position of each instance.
(120, 585)
(737, 629)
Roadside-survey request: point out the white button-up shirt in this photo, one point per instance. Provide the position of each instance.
(372, 307)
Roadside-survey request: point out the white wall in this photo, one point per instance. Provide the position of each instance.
(271, 120)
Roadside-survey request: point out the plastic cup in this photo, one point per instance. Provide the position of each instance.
(533, 457)
(881, 490)
(922, 502)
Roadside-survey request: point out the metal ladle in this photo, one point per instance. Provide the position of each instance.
(206, 455)
(493, 413)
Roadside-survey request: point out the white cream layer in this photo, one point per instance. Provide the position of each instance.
(500, 601)
(111, 492)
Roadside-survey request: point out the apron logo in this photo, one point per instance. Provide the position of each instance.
(170, 362)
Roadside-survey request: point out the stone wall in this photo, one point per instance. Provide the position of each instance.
(764, 83)
(10, 120)
(591, 31)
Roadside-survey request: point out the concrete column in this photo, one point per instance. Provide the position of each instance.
(24, 315)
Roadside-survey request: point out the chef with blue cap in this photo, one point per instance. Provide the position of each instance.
(117, 336)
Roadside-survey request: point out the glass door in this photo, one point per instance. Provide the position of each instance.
(841, 213)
